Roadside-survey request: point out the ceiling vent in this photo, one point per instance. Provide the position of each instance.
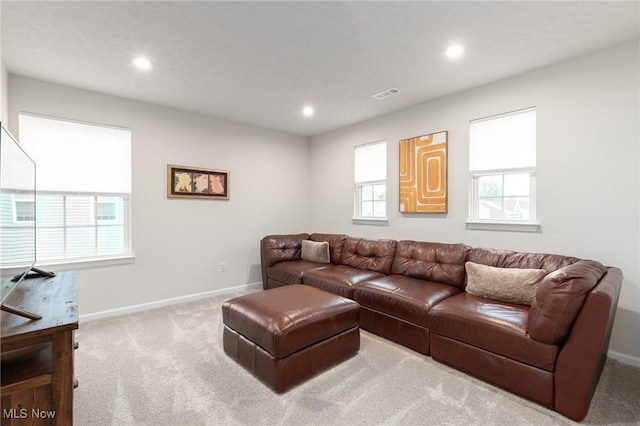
(386, 93)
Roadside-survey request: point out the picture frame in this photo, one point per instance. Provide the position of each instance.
(197, 183)
(423, 174)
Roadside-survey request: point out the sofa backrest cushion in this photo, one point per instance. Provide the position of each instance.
(438, 262)
(514, 259)
(279, 248)
(336, 242)
(559, 298)
(374, 255)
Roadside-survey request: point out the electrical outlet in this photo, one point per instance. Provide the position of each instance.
(223, 266)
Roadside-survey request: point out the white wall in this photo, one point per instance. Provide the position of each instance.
(4, 81)
(588, 161)
(4, 94)
(179, 243)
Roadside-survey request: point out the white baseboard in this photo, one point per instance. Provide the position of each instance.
(624, 358)
(166, 302)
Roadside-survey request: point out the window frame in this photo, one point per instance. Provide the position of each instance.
(359, 199)
(475, 197)
(123, 218)
(92, 223)
(503, 224)
(359, 185)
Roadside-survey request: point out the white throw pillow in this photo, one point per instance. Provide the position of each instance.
(512, 285)
(315, 251)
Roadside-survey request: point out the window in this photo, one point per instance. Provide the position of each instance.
(371, 181)
(105, 210)
(503, 168)
(83, 188)
(24, 210)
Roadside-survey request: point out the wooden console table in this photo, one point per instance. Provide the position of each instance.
(39, 389)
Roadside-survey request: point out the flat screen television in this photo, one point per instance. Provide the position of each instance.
(17, 220)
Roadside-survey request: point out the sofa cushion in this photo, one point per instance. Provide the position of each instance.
(402, 297)
(560, 297)
(374, 255)
(438, 262)
(338, 279)
(315, 251)
(291, 272)
(513, 285)
(494, 326)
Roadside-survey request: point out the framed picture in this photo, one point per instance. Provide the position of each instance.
(196, 182)
(423, 174)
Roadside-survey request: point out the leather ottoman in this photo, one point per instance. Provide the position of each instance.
(286, 335)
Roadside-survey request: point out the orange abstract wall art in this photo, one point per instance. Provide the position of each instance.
(423, 174)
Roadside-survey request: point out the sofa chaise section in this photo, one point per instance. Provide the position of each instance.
(526, 350)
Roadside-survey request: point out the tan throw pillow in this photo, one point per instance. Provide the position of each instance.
(315, 251)
(512, 285)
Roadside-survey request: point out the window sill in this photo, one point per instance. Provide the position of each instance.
(75, 264)
(504, 226)
(371, 221)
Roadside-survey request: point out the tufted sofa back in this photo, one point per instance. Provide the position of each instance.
(513, 259)
(438, 262)
(374, 255)
(280, 248)
(336, 243)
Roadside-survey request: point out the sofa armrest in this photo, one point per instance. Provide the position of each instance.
(582, 357)
(279, 248)
(559, 298)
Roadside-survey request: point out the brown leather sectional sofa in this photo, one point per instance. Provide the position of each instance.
(413, 293)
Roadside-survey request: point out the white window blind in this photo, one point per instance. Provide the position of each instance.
(371, 162)
(77, 157)
(507, 141)
(83, 186)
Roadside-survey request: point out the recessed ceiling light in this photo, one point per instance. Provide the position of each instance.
(454, 51)
(308, 111)
(142, 63)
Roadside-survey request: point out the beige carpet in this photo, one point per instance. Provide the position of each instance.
(167, 367)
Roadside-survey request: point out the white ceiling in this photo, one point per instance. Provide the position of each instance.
(261, 62)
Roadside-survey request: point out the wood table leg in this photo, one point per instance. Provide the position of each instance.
(62, 380)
